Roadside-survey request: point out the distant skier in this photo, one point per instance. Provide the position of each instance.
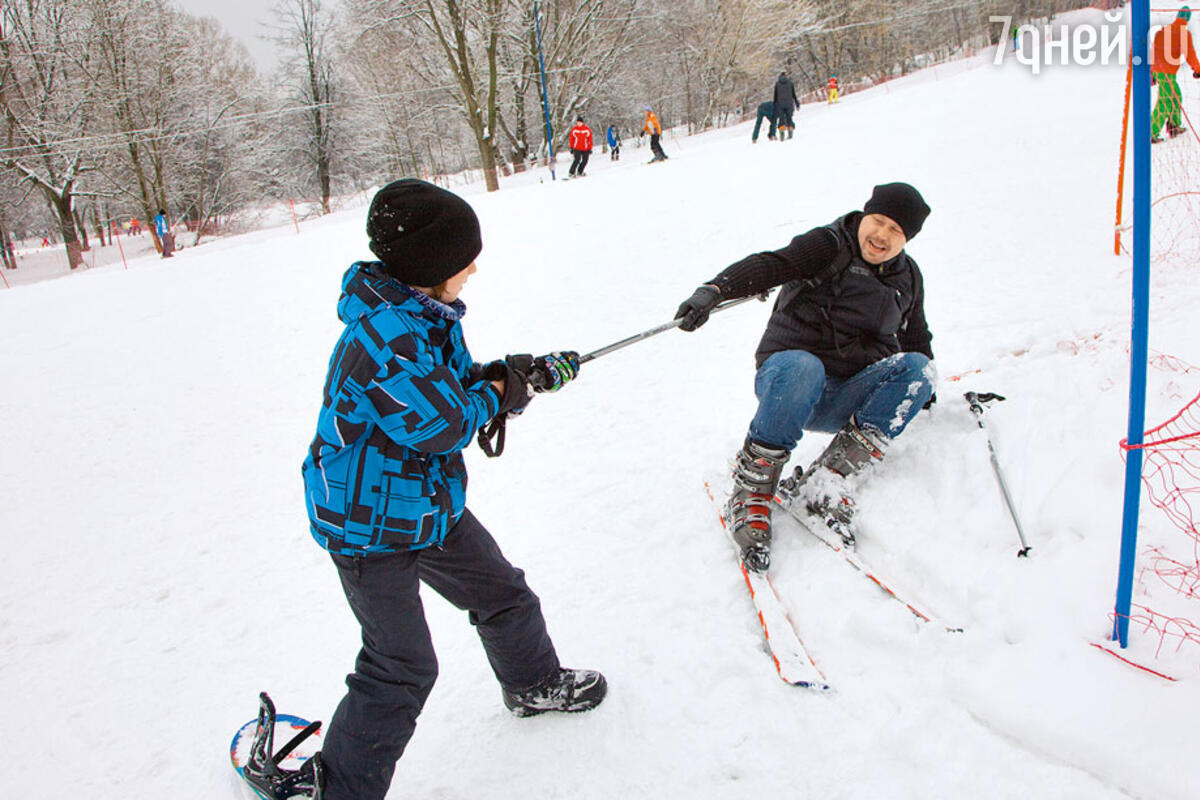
(165, 237)
(765, 111)
(785, 103)
(614, 143)
(580, 141)
(846, 350)
(832, 89)
(652, 127)
(1172, 46)
(385, 488)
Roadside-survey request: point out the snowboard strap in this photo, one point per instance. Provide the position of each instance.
(295, 742)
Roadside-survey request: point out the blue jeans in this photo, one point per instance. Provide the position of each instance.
(795, 395)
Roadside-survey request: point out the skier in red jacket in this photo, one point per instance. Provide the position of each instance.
(580, 142)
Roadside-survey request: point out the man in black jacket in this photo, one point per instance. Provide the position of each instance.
(785, 103)
(847, 350)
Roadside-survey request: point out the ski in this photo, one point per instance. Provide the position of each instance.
(833, 541)
(792, 660)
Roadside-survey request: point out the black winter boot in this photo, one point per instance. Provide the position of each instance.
(566, 690)
(748, 511)
(823, 487)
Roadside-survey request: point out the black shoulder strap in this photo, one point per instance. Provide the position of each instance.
(835, 267)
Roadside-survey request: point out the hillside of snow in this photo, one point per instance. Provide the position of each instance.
(159, 572)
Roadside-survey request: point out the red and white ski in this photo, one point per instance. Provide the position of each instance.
(834, 542)
(792, 660)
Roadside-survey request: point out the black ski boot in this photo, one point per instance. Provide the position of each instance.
(823, 487)
(748, 512)
(566, 690)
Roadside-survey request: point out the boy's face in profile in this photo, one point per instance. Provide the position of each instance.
(454, 284)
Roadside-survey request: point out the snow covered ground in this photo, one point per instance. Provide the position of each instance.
(159, 571)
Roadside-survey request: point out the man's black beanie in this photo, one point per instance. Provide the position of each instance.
(899, 202)
(422, 233)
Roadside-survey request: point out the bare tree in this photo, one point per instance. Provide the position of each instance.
(222, 135)
(309, 71)
(47, 104)
(139, 47)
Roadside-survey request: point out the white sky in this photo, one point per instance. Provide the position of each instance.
(245, 20)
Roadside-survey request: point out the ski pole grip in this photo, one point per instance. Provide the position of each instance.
(977, 401)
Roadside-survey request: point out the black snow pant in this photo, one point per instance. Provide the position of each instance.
(784, 117)
(579, 162)
(396, 667)
(656, 147)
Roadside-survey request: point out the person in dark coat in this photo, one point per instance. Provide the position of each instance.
(385, 489)
(785, 103)
(846, 351)
(765, 111)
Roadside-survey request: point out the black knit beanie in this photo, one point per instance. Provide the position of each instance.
(422, 233)
(901, 203)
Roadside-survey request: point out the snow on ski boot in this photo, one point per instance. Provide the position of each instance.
(824, 488)
(748, 512)
(262, 770)
(566, 690)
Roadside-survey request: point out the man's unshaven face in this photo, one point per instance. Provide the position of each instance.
(880, 238)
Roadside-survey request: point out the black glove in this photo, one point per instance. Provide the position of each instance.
(1153, 80)
(929, 403)
(695, 310)
(1196, 74)
(554, 370)
(514, 371)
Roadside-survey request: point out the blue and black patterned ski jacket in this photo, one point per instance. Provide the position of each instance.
(402, 399)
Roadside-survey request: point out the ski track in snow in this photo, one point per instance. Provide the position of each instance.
(160, 573)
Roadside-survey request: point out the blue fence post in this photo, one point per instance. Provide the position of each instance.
(537, 21)
(1138, 350)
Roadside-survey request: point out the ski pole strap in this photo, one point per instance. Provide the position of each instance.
(493, 432)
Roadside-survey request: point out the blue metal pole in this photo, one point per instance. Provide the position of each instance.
(1138, 349)
(537, 21)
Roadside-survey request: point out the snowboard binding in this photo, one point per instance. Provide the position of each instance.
(262, 770)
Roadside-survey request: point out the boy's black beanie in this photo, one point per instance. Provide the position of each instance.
(422, 233)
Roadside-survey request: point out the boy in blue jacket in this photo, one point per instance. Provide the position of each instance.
(385, 487)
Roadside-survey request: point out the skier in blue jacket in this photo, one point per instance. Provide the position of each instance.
(614, 142)
(385, 487)
(165, 237)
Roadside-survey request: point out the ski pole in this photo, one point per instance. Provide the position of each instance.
(666, 326)
(976, 401)
(491, 437)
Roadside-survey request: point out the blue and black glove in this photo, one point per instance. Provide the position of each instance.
(554, 370)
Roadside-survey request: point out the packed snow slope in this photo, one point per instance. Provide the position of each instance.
(159, 572)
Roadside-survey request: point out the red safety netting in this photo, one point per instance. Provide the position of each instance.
(1171, 477)
(1175, 178)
